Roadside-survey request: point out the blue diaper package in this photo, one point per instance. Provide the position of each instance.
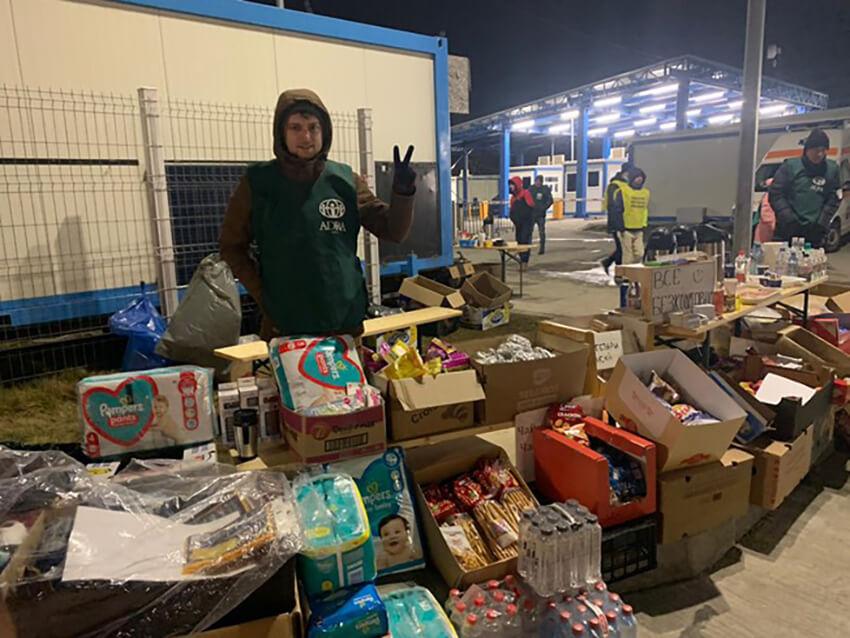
(338, 550)
(383, 484)
(348, 613)
(414, 613)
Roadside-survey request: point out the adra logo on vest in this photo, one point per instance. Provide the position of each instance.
(332, 210)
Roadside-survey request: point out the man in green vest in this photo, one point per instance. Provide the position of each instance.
(804, 192)
(303, 212)
(635, 196)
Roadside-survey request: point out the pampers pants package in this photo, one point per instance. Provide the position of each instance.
(413, 612)
(338, 549)
(382, 480)
(132, 411)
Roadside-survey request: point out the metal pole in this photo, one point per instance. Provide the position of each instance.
(367, 170)
(749, 125)
(505, 170)
(682, 104)
(466, 153)
(581, 165)
(158, 199)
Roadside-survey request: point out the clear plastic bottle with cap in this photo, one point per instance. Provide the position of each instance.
(512, 627)
(613, 626)
(470, 628)
(454, 597)
(628, 622)
(594, 560)
(781, 267)
(564, 626)
(458, 613)
(613, 602)
(595, 628)
(529, 618)
(546, 572)
(491, 626)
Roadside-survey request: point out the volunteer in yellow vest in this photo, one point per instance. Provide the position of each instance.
(635, 216)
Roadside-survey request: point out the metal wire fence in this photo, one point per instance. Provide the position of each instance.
(79, 224)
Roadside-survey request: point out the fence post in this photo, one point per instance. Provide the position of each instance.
(367, 170)
(158, 198)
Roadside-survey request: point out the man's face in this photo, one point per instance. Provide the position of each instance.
(512, 188)
(394, 537)
(303, 135)
(538, 181)
(816, 155)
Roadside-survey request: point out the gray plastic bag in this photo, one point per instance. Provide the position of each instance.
(209, 317)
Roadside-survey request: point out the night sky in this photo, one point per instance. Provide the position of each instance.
(520, 51)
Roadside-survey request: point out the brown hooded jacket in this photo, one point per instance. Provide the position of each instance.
(390, 222)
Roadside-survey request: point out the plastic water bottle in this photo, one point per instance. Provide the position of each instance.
(793, 263)
(594, 564)
(491, 627)
(458, 613)
(741, 267)
(470, 628)
(595, 628)
(612, 603)
(613, 626)
(782, 262)
(628, 623)
(756, 258)
(512, 625)
(806, 269)
(530, 620)
(452, 600)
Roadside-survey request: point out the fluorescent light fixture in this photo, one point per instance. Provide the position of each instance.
(773, 109)
(596, 132)
(661, 90)
(653, 108)
(667, 126)
(649, 121)
(694, 112)
(560, 128)
(627, 133)
(607, 118)
(709, 97)
(720, 119)
(522, 125)
(737, 104)
(570, 115)
(608, 101)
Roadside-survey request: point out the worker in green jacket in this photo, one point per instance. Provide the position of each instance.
(804, 192)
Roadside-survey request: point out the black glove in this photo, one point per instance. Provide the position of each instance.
(404, 177)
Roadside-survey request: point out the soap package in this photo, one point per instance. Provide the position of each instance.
(147, 410)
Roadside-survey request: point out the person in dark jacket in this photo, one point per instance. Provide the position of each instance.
(542, 196)
(304, 212)
(522, 214)
(613, 206)
(804, 192)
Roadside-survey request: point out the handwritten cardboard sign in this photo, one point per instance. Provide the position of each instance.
(680, 288)
(609, 348)
(525, 423)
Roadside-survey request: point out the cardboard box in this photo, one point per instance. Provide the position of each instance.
(269, 405)
(779, 467)
(430, 293)
(629, 401)
(511, 388)
(486, 318)
(430, 405)
(672, 288)
(565, 469)
(322, 439)
(835, 297)
(833, 328)
(437, 463)
(228, 403)
(249, 394)
(790, 416)
(461, 270)
(483, 290)
(799, 342)
(823, 435)
(696, 499)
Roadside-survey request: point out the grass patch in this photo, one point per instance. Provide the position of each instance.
(42, 411)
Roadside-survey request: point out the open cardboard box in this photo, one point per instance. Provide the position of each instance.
(565, 469)
(430, 405)
(696, 499)
(460, 271)
(438, 463)
(799, 342)
(486, 318)
(430, 293)
(790, 416)
(511, 388)
(328, 438)
(629, 401)
(831, 297)
(483, 290)
(778, 468)
(834, 328)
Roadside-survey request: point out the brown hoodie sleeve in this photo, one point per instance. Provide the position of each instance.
(390, 222)
(234, 244)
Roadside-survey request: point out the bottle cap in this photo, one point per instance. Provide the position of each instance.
(492, 614)
(600, 586)
(614, 597)
(454, 593)
(479, 601)
(510, 579)
(578, 630)
(511, 610)
(581, 609)
(528, 604)
(612, 617)
(565, 617)
(471, 619)
(492, 584)
(551, 605)
(593, 622)
(460, 606)
(627, 610)
(499, 596)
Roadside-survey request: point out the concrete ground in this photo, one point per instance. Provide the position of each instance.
(789, 575)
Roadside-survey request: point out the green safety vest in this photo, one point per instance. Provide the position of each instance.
(808, 194)
(635, 207)
(306, 236)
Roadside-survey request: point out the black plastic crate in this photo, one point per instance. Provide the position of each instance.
(628, 550)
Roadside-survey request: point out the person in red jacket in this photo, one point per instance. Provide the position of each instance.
(522, 214)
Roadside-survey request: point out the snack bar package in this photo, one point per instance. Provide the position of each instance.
(383, 484)
(338, 550)
(313, 371)
(348, 613)
(132, 411)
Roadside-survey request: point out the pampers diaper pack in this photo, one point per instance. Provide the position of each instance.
(132, 411)
(413, 613)
(348, 613)
(312, 371)
(338, 549)
(382, 480)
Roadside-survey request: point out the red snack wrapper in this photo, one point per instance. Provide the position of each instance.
(467, 492)
(441, 507)
(564, 415)
(494, 477)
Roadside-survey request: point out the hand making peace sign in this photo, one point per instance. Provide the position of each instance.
(404, 177)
